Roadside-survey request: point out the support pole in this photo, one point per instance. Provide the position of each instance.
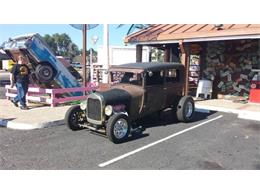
(106, 53)
(84, 55)
(91, 66)
(185, 61)
(167, 54)
(139, 52)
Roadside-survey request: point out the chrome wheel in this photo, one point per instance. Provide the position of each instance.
(120, 128)
(188, 109)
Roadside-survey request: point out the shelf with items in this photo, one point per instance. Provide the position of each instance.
(97, 73)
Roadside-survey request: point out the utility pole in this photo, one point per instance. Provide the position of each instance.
(91, 65)
(84, 55)
(94, 40)
(106, 52)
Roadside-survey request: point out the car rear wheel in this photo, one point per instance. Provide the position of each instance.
(74, 117)
(118, 128)
(45, 73)
(185, 109)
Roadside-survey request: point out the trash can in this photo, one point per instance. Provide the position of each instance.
(204, 89)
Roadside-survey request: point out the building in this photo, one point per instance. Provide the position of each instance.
(117, 55)
(228, 54)
(122, 54)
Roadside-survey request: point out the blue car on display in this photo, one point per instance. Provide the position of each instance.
(47, 70)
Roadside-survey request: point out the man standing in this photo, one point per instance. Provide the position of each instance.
(20, 77)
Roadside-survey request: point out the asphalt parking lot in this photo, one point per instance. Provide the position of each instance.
(213, 141)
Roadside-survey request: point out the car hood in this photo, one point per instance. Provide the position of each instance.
(121, 94)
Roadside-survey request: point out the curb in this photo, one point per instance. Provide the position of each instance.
(248, 115)
(26, 126)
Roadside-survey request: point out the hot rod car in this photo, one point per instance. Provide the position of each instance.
(137, 90)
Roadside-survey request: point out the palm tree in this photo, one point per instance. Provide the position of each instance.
(134, 27)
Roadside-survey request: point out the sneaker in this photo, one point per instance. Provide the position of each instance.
(15, 103)
(24, 108)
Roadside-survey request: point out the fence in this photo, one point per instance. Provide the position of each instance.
(51, 96)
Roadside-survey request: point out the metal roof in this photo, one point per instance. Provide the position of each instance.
(173, 33)
(147, 66)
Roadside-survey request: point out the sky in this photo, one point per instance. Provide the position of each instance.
(116, 35)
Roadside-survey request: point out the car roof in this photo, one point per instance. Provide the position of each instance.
(147, 66)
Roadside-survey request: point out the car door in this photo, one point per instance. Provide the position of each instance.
(173, 86)
(154, 95)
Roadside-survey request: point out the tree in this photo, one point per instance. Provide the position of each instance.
(51, 43)
(94, 55)
(62, 45)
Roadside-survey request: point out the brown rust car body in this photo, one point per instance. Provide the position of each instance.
(136, 90)
(154, 93)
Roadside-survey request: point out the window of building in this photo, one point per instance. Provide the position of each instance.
(172, 75)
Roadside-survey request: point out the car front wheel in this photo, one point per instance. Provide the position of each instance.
(118, 128)
(74, 117)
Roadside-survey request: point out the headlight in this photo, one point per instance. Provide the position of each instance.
(108, 110)
(83, 105)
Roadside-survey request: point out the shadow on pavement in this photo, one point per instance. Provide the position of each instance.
(136, 137)
(257, 167)
(165, 118)
(5, 121)
(9, 119)
(168, 118)
(208, 165)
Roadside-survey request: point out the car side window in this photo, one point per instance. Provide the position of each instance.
(172, 76)
(155, 78)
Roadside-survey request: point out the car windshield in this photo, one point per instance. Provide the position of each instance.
(126, 77)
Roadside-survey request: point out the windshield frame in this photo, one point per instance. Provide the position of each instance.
(126, 83)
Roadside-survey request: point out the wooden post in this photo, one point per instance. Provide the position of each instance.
(52, 98)
(175, 53)
(150, 53)
(203, 57)
(185, 61)
(167, 54)
(139, 52)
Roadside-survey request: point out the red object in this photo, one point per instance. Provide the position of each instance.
(255, 92)
(254, 95)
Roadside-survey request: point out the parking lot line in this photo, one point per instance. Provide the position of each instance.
(156, 142)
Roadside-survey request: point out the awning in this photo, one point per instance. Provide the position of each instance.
(173, 33)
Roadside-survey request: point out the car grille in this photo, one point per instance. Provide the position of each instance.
(94, 109)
